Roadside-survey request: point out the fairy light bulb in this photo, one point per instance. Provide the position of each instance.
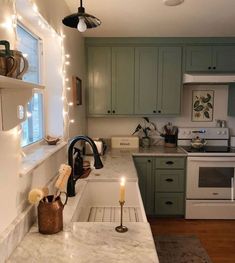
(82, 27)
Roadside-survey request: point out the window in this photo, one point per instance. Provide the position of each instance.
(30, 46)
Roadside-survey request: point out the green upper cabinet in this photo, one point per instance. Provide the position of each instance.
(169, 80)
(99, 80)
(158, 73)
(146, 70)
(210, 59)
(198, 58)
(123, 80)
(224, 58)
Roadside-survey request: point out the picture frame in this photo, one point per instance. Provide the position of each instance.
(202, 105)
(77, 90)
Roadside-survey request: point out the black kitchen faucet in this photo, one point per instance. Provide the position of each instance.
(98, 164)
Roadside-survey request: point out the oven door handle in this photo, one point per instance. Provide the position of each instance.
(213, 159)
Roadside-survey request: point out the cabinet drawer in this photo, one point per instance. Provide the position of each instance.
(169, 163)
(169, 180)
(169, 203)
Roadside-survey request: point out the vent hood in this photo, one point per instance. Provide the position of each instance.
(208, 78)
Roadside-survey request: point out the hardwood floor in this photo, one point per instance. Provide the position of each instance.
(216, 236)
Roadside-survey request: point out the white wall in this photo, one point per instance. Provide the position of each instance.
(13, 188)
(107, 127)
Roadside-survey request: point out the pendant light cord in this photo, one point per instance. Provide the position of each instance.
(81, 3)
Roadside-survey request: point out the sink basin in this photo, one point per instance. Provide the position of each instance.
(99, 203)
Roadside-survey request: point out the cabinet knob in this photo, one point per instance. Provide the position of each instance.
(113, 111)
(169, 180)
(209, 67)
(108, 111)
(214, 67)
(149, 161)
(168, 203)
(154, 111)
(169, 162)
(159, 111)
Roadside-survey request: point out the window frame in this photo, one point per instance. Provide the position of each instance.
(29, 29)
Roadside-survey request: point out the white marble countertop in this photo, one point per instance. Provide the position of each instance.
(88, 243)
(96, 242)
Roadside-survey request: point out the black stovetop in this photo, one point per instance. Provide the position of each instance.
(209, 149)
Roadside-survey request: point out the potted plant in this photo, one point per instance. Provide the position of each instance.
(145, 129)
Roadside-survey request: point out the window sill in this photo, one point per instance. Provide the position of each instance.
(37, 155)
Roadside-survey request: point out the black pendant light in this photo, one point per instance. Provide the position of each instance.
(81, 20)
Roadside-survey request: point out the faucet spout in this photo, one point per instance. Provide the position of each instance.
(97, 161)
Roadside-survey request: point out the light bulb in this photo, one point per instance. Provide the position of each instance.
(82, 27)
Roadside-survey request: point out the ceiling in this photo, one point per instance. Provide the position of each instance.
(151, 18)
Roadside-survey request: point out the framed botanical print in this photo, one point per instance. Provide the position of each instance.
(77, 90)
(202, 105)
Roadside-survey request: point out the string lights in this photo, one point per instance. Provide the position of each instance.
(10, 24)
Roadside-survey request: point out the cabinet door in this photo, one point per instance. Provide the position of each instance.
(169, 180)
(99, 80)
(146, 64)
(231, 100)
(169, 80)
(224, 59)
(123, 80)
(198, 58)
(146, 184)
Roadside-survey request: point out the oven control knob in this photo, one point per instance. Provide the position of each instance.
(189, 132)
(218, 132)
(224, 132)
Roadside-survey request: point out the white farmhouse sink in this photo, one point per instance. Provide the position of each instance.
(99, 203)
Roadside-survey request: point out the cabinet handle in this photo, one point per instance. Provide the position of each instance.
(214, 67)
(169, 180)
(168, 203)
(149, 161)
(113, 111)
(154, 111)
(108, 111)
(209, 67)
(169, 162)
(159, 111)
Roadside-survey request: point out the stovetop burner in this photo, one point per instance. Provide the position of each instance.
(209, 149)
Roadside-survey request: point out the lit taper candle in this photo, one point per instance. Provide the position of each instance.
(122, 189)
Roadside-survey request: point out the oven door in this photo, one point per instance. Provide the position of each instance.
(210, 178)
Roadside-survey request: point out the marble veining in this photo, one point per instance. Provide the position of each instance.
(89, 242)
(80, 241)
(33, 158)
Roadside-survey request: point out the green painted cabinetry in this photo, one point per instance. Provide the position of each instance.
(169, 80)
(169, 188)
(210, 59)
(146, 80)
(231, 100)
(162, 184)
(158, 83)
(99, 80)
(110, 81)
(123, 80)
(144, 166)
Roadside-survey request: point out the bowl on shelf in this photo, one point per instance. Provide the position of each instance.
(51, 140)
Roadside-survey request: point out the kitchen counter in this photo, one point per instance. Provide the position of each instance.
(89, 242)
(96, 242)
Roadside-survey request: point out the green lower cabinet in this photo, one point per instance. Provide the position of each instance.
(169, 180)
(168, 204)
(162, 188)
(144, 168)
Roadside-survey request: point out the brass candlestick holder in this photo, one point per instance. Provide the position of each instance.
(121, 228)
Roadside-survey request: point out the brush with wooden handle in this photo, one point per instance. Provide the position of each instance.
(64, 173)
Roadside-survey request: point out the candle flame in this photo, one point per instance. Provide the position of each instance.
(123, 181)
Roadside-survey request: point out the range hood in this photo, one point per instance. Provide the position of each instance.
(208, 78)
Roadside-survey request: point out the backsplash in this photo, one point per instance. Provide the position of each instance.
(107, 127)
